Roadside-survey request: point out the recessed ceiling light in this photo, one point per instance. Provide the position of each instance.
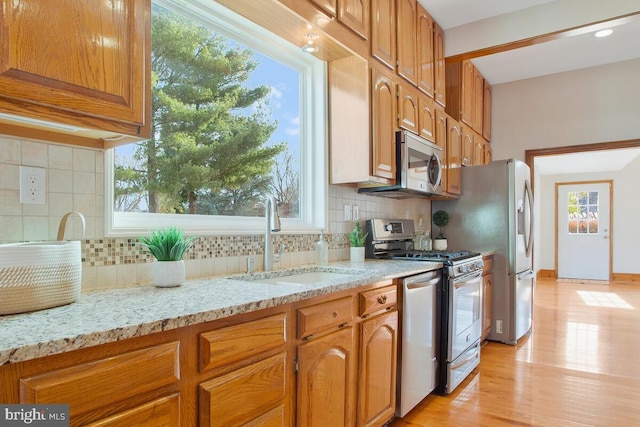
(310, 47)
(604, 33)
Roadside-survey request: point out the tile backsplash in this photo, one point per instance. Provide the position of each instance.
(74, 180)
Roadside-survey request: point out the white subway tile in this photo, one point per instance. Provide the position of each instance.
(35, 154)
(60, 157)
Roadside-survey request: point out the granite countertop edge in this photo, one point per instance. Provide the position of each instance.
(101, 317)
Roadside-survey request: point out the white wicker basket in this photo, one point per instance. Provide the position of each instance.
(38, 275)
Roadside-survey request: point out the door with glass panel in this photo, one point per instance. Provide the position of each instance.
(584, 230)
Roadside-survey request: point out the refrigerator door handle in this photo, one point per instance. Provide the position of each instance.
(525, 275)
(528, 237)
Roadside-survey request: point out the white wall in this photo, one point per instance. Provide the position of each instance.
(594, 105)
(625, 231)
(599, 104)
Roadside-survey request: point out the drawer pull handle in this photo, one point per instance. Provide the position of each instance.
(335, 314)
(382, 299)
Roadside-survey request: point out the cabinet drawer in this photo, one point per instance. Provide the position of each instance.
(243, 395)
(319, 317)
(233, 343)
(377, 299)
(487, 265)
(160, 412)
(105, 382)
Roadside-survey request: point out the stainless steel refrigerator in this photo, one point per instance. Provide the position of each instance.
(495, 214)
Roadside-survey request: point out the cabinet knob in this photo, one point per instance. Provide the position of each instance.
(335, 314)
(382, 299)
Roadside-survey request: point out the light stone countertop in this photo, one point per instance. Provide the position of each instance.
(100, 317)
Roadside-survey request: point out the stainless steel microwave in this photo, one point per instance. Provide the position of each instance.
(418, 169)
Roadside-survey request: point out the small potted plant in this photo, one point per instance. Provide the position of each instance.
(440, 219)
(357, 237)
(168, 246)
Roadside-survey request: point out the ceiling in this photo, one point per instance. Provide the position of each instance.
(476, 30)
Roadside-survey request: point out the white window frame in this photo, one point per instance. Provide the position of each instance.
(313, 138)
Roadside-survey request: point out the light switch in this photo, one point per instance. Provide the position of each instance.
(347, 212)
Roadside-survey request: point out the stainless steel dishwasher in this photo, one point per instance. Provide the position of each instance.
(418, 362)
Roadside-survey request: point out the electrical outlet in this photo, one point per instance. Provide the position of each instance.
(32, 185)
(498, 326)
(347, 212)
(356, 213)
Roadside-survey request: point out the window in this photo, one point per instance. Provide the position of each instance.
(237, 114)
(582, 212)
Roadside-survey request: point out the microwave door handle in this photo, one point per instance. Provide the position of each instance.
(439, 180)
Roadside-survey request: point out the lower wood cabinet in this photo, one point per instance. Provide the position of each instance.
(487, 296)
(326, 387)
(325, 361)
(378, 361)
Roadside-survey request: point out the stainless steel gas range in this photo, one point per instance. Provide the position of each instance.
(454, 317)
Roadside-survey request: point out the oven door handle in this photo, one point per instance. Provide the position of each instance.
(465, 361)
(462, 280)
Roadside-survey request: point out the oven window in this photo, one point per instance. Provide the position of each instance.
(467, 306)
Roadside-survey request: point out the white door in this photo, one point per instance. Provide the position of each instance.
(583, 221)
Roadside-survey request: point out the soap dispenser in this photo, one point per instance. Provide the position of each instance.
(322, 251)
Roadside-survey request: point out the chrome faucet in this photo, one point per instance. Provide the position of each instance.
(272, 223)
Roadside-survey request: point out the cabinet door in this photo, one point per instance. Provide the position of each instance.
(478, 150)
(454, 156)
(377, 381)
(328, 6)
(441, 141)
(408, 108)
(326, 380)
(383, 31)
(478, 92)
(486, 110)
(467, 146)
(466, 93)
(487, 304)
(488, 155)
(355, 15)
(427, 118)
(425, 51)
(439, 70)
(407, 35)
(383, 124)
(78, 62)
(241, 396)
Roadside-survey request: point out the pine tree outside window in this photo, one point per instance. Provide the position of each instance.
(237, 114)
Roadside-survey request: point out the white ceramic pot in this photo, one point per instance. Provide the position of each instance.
(167, 274)
(439, 244)
(356, 254)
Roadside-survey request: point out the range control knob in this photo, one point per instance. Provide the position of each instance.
(388, 227)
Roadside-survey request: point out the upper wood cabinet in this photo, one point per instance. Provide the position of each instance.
(383, 31)
(441, 141)
(407, 16)
(408, 108)
(467, 145)
(478, 103)
(439, 71)
(355, 15)
(454, 158)
(468, 96)
(486, 111)
(425, 51)
(383, 123)
(426, 118)
(328, 6)
(81, 64)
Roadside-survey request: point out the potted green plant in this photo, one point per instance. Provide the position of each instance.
(357, 237)
(440, 219)
(167, 246)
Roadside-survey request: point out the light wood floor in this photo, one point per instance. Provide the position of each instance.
(579, 367)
